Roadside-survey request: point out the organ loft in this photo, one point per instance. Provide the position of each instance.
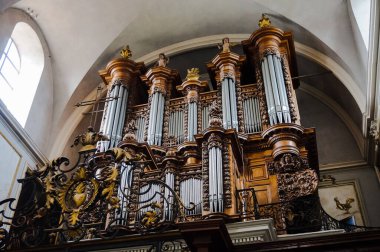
(182, 159)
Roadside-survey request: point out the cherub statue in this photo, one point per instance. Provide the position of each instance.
(130, 131)
(215, 115)
(226, 45)
(163, 60)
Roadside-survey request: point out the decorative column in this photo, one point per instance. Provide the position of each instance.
(160, 80)
(191, 88)
(222, 159)
(227, 66)
(170, 163)
(270, 48)
(120, 74)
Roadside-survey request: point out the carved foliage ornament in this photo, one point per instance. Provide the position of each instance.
(295, 185)
(288, 163)
(88, 140)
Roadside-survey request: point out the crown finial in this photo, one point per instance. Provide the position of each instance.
(126, 53)
(192, 74)
(264, 21)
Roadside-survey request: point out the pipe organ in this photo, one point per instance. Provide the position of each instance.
(203, 146)
(183, 154)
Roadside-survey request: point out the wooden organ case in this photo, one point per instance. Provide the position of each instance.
(211, 146)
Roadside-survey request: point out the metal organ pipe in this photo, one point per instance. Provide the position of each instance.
(192, 121)
(282, 89)
(190, 191)
(156, 119)
(114, 117)
(169, 180)
(234, 119)
(269, 92)
(278, 105)
(151, 115)
(276, 94)
(124, 191)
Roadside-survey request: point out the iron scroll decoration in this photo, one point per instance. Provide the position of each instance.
(61, 203)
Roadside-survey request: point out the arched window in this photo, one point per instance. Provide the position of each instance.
(21, 66)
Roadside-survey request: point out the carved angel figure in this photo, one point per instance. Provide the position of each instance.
(215, 110)
(163, 60)
(226, 45)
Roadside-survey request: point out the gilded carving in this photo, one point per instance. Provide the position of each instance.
(77, 195)
(192, 74)
(126, 53)
(88, 140)
(264, 21)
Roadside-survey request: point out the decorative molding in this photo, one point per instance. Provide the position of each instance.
(342, 114)
(342, 165)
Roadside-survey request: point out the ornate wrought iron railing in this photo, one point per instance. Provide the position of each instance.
(110, 194)
(304, 215)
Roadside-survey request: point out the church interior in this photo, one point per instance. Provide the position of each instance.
(189, 126)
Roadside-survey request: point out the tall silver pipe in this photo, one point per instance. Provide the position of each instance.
(189, 121)
(282, 87)
(252, 113)
(160, 119)
(249, 111)
(258, 115)
(107, 111)
(227, 103)
(150, 126)
(234, 119)
(176, 124)
(224, 106)
(157, 124)
(220, 178)
(123, 113)
(195, 119)
(108, 128)
(269, 92)
(248, 116)
(171, 124)
(273, 83)
(181, 125)
(117, 118)
(115, 90)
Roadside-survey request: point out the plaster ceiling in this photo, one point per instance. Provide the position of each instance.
(84, 35)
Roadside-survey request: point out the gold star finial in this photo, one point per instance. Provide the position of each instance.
(126, 53)
(264, 21)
